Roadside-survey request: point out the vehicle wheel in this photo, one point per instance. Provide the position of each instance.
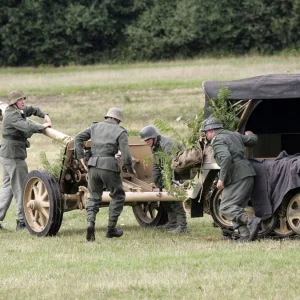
(267, 226)
(150, 214)
(293, 213)
(42, 204)
(282, 228)
(218, 218)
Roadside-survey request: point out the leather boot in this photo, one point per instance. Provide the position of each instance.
(242, 239)
(20, 225)
(167, 226)
(90, 232)
(227, 235)
(180, 229)
(113, 232)
(254, 226)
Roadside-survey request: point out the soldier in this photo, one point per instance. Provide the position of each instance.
(176, 214)
(103, 169)
(15, 131)
(235, 176)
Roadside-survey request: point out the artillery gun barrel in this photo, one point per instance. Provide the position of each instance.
(142, 197)
(79, 200)
(131, 197)
(57, 135)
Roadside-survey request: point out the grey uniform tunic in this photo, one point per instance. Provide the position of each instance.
(175, 210)
(15, 131)
(104, 171)
(237, 174)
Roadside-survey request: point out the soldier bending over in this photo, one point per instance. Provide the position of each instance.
(158, 143)
(235, 177)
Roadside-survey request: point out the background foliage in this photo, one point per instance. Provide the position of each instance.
(34, 33)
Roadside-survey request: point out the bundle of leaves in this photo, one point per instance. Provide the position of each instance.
(189, 141)
(192, 138)
(165, 159)
(226, 111)
(56, 166)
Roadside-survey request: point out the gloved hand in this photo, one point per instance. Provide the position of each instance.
(124, 169)
(129, 169)
(88, 154)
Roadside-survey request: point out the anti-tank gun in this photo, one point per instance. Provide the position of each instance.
(47, 198)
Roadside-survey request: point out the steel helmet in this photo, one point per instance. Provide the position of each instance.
(210, 123)
(115, 113)
(14, 96)
(149, 132)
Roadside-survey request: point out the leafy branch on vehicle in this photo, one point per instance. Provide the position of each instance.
(193, 124)
(226, 111)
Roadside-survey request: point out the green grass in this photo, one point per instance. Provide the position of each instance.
(163, 75)
(144, 263)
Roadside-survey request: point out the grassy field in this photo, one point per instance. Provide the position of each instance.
(144, 263)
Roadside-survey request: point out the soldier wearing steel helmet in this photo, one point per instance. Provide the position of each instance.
(16, 129)
(235, 176)
(107, 138)
(176, 214)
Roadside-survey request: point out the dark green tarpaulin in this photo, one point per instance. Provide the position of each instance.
(275, 86)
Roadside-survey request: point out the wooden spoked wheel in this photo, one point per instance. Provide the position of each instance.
(42, 204)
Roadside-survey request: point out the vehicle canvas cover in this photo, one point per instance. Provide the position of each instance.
(275, 86)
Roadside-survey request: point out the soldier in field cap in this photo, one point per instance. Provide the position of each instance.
(16, 130)
(235, 176)
(103, 169)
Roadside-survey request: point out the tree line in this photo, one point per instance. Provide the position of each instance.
(37, 32)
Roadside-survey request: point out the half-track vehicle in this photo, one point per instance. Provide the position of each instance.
(271, 112)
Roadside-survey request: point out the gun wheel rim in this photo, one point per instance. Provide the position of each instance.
(36, 204)
(42, 203)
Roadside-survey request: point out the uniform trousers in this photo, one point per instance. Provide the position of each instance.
(235, 198)
(176, 212)
(14, 173)
(97, 180)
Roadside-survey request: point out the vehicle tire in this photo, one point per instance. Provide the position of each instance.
(282, 228)
(150, 214)
(293, 213)
(42, 204)
(218, 218)
(267, 226)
